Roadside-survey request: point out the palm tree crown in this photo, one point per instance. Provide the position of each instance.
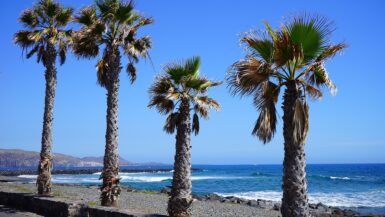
(45, 25)
(182, 82)
(295, 53)
(112, 24)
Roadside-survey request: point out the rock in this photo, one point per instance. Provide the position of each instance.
(253, 203)
(277, 206)
(214, 197)
(165, 191)
(320, 209)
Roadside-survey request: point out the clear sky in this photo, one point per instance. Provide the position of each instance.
(346, 128)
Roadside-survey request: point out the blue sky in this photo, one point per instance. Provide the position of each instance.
(346, 128)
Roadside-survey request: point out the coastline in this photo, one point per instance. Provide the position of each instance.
(146, 201)
(82, 171)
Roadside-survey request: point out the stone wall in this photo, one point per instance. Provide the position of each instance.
(59, 207)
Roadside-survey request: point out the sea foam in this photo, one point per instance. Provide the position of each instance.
(343, 199)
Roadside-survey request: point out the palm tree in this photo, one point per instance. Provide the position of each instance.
(46, 36)
(111, 25)
(291, 58)
(181, 85)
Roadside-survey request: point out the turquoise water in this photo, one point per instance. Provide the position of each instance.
(357, 186)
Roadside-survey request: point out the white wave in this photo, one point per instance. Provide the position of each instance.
(211, 177)
(145, 178)
(97, 173)
(342, 178)
(163, 178)
(28, 176)
(343, 199)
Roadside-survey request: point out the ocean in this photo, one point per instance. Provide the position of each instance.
(359, 187)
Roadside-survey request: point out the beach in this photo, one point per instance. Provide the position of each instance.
(146, 202)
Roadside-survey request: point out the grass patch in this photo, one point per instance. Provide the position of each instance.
(23, 189)
(93, 203)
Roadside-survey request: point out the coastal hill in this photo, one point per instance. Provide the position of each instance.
(22, 158)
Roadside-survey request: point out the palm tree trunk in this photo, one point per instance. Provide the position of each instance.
(110, 189)
(43, 181)
(181, 199)
(295, 200)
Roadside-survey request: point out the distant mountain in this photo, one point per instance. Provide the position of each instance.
(21, 158)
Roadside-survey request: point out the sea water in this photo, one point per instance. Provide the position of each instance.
(356, 186)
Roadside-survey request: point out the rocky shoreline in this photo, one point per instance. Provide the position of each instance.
(82, 171)
(317, 210)
(233, 204)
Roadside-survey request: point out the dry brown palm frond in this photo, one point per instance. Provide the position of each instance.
(265, 126)
(171, 122)
(131, 72)
(102, 72)
(300, 121)
(195, 124)
(162, 104)
(319, 76)
(202, 110)
(331, 51)
(214, 104)
(264, 100)
(207, 102)
(282, 48)
(313, 92)
(245, 76)
(162, 85)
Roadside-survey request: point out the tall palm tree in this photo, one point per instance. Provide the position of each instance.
(181, 85)
(111, 25)
(290, 58)
(47, 36)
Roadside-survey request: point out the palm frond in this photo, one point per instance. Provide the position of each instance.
(33, 51)
(107, 8)
(62, 51)
(207, 102)
(263, 48)
(102, 72)
(201, 110)
(176, 71)
(137, 47)
(162, 85)
(125, 12)
(29, 18)
(201, 84)
(195, 124)
(313, 92)
(300, 121)
(87, 16)
(162, 104)
(131, 72)
(64, 17)
(23, 39)
(331, 51)
(85, 44)
(310, 33)
(265, 126)
(246, 75)
(171, 122)
(265, 99)
(50, 8)
(282, 48)
(270, 31)
(319, 76)
(192, 65)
